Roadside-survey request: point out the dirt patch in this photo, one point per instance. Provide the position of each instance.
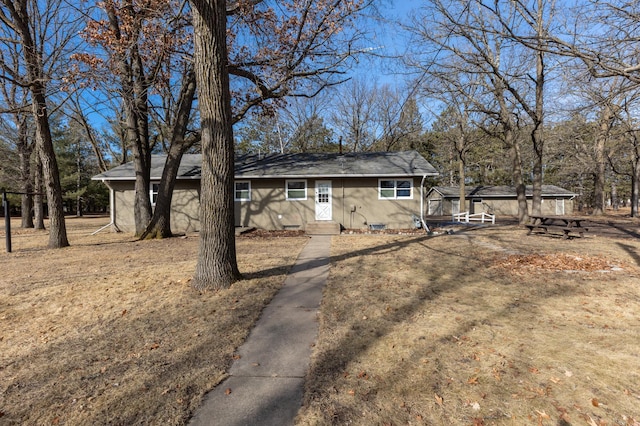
(109, 330)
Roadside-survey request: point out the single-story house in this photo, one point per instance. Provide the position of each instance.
(293, 191)
(498, 200)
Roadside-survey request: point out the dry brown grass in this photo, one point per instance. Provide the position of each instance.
(109, 331)
(477, 328)
(483, 327)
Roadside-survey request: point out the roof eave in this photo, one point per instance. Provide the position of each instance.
(335, 176)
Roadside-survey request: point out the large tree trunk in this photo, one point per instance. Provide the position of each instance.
(521, 194)
(599, 178)
(24, 153)
(160, 225)
(538, 148)
(460, 148)
(38, 204)
(606, 121)
(57, 227)
(217, 267)
(635, 183)
(511, 142)
(462, 193)
(142, 198)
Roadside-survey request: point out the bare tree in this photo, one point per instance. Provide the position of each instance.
(471, 45)
(303, 47)
(354, 115)
(397, 119)
(44, 32)
(180, 142)
(623, 153)
(139, 41)
(15, 99)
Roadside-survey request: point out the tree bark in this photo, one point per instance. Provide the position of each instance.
(55, 203)
(24, 153)
(460, 148)
(38, 204)
(160, 225)
(606, 121)
(216, 267)
(635, 180)
(521, 189)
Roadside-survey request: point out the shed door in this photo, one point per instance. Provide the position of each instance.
(435, 207)
(560, 206)
(323, 200)
(455, 207)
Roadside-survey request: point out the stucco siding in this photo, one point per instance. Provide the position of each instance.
(185, 206)
(124, 201)
(270, 209)
(362, 205)
(355, 204)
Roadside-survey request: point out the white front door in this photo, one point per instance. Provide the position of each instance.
(323, 200)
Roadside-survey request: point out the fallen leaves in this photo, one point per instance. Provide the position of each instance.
(527, 263)
(438, 399)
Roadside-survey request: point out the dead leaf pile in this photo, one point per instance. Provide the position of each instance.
(519, 263)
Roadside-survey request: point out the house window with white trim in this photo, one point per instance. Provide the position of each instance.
(296, 189)
(153, 193)
(242, 190)
(395, 189)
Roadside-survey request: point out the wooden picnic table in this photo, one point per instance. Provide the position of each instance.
(569, 226)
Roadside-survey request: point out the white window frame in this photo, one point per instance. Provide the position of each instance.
(395, 189)
(286, 189)
(154, 188)
(236, 190)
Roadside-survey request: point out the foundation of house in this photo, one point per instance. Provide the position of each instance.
(323, 228)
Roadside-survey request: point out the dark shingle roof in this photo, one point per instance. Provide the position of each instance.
(365, 164)
(488, 191)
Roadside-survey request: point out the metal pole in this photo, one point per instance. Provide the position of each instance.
(7, 220)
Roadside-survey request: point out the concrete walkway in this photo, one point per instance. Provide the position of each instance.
(266, 383)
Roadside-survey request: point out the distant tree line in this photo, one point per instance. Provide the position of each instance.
(517, 93)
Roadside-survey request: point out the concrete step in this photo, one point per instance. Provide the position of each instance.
(323, 228)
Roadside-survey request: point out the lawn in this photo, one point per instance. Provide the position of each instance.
(109, 331)
(484, 326)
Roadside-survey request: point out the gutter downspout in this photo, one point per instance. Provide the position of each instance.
(424, 223)
(112, 210)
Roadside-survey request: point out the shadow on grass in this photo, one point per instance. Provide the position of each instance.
(330, 365)
(633, 252)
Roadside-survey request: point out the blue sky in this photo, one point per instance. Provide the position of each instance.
(389, 40)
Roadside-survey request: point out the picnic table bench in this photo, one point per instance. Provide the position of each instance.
(567, 225)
